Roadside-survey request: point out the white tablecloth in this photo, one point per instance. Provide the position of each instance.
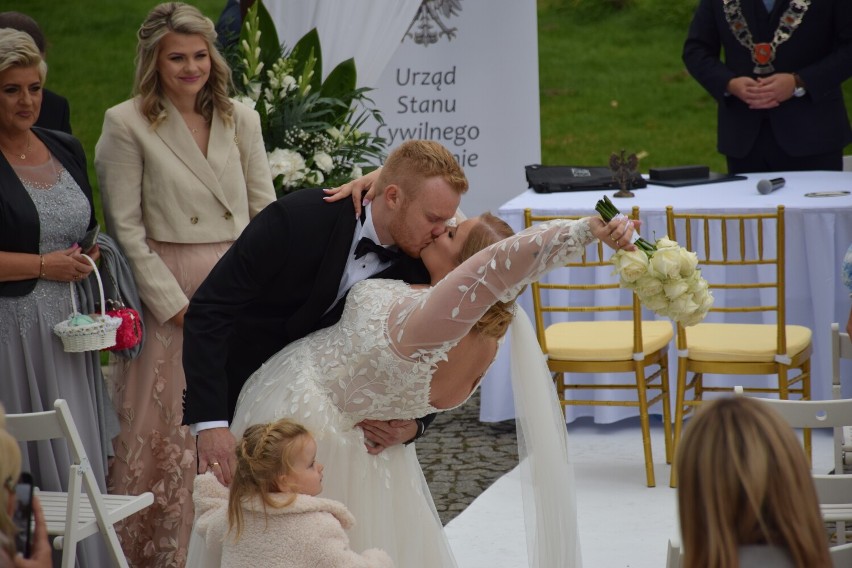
(818, 231)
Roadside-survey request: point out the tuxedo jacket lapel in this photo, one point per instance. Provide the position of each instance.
(174, 134)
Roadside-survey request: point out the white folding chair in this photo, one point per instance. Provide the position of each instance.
(674, 554)
(73, 515)
(841, 348)
(841, 556)
(833, 491)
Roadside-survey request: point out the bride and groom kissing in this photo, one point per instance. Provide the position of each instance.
(363, 348)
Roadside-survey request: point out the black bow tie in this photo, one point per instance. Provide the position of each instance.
(365, 245)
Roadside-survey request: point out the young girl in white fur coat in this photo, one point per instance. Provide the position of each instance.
(271, 516)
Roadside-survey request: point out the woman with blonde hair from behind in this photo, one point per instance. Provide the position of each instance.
(272, 516)
(746, 497)
(10, 471)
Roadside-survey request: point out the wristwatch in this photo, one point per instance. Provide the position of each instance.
(800, 90)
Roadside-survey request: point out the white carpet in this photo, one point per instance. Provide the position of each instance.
(623, 523)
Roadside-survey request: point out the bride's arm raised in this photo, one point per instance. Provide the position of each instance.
(497, 272)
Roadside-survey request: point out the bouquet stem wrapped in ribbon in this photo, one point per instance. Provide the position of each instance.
(664, 275)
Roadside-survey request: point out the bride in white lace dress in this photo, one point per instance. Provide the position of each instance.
(402, 351)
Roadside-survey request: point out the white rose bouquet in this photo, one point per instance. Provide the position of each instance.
(664, 275)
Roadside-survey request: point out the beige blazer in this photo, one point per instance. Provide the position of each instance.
(156, 183)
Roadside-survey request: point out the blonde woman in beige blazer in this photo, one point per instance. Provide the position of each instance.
(182, 169)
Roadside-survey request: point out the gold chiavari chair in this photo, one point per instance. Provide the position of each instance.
(614, 346)
(742, 246)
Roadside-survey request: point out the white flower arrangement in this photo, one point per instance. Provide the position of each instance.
(664, 275)
(311, 128)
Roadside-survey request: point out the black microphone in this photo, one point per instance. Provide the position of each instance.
(767, 186)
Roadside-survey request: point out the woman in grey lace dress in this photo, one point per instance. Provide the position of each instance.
(45, 209)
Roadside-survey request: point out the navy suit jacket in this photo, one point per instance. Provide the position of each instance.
(55, 112)
(272, 287)
(820, 51)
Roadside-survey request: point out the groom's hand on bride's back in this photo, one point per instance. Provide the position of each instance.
(216, 453)
(381, 434)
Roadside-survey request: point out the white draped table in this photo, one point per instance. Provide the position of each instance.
(818, 232)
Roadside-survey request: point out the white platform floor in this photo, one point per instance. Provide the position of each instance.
(623, 523)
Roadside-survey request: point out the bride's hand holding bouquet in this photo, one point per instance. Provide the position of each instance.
(619, 232)
(664, 275)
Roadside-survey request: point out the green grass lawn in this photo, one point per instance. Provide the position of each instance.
(610, 78)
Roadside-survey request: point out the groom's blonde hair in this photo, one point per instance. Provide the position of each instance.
(415, 161)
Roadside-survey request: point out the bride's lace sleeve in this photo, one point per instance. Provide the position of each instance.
(449, 310)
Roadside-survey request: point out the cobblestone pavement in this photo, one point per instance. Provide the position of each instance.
(462, 456)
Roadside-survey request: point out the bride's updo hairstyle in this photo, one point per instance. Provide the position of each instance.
(264, 454)
(487, 231)
(185, 19)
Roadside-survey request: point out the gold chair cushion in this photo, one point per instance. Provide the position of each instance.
(603, 340)
(749, 343)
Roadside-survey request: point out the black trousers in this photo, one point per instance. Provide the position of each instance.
(767, 156)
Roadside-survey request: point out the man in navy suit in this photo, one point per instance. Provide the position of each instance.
(55, 112)
(287, 275)
(778, 88)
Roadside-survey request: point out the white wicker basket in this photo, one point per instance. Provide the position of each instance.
(88, 337)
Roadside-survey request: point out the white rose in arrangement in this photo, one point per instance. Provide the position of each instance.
(688, 262)
(648, 286)
(246, 100)
(287, 163)
(630, 265)
(706, 303)
(666, 263)
(335, 134)
(323, 161)
(675, 288)
(665, 243)
(654, 303)
(356, 172)
(683, 306)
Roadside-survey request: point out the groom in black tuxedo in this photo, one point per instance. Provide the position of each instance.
(287, 276)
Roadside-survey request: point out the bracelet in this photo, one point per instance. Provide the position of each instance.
(41, 266)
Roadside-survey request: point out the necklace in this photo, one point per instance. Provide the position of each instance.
(23, 155)
(763, 54)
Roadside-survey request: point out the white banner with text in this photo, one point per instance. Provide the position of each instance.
(466, 75)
